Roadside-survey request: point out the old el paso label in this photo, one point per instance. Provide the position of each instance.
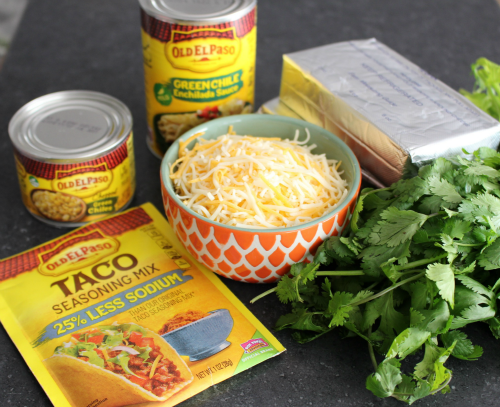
(203, 50)
(83, 182)
(76, 253)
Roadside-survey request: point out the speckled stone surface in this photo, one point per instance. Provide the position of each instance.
(95, 45)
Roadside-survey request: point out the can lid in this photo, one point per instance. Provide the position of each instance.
(197, 11)
(70, 126)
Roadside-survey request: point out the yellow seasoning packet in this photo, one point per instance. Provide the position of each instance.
(118, 313)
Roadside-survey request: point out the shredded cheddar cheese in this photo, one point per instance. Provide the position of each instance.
(153, 367)
(255, 182)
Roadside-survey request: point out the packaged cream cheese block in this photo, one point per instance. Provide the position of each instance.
(387, 109)
(117, 313)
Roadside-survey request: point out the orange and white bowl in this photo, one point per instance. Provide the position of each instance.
(259, 255)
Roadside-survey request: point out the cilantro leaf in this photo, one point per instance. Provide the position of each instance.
(340, 305)
(431, 355)
(353, 244)
(474, 313)
(432, 204)
(494, 324)
(405, 389)
(407, 342)
(456, 228)
(300, 319)
(419, 295)
(339, 308)
(383, 382)
(477, 287)
(355, 214)
(374, 256)
(436, 319)
(422, 390)
(439, 168)
(286, 290)
(337, 250)
(490, 257)
(392, 322)
(464, 349)
(443, 275)
(479, 169)
(410, 190)
(445, 190)
(397, 227)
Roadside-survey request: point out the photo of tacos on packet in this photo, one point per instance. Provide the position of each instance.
(128, 364)
(118, 313)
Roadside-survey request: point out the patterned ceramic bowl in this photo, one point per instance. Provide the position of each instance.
(259, 256)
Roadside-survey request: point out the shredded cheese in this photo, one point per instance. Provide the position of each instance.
(153, 367)
(255, 182)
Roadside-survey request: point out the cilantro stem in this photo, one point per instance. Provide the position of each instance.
(341, 273)
(371, 351)
(319, 273)
(369, 288)
(377, 190)
(387, 290)
(411, 271)
(262, 295)
(419, 263)
(436, 214)
(469, 244)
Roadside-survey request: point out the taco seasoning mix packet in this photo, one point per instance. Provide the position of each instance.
(118, 313)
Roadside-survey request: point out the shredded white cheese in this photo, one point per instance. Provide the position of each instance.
(254, 182)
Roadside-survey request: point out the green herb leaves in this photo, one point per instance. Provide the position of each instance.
(396, 227)
(418, 263)
(486, 93)
(443, 275)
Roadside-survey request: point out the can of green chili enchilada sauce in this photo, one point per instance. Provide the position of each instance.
(199, 64)
(74, 156)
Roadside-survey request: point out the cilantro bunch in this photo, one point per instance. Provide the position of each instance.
(420, 261)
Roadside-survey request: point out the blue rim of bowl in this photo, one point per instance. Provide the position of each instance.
(165, 171)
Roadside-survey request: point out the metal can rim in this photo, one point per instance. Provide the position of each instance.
(242, 8)
(32, 112)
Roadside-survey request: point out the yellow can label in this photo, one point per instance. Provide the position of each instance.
(195, 74)
(76, 193)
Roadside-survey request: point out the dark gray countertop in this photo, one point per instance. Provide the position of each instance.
(95, 45)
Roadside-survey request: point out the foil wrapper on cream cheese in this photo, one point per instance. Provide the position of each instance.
(387, 109)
